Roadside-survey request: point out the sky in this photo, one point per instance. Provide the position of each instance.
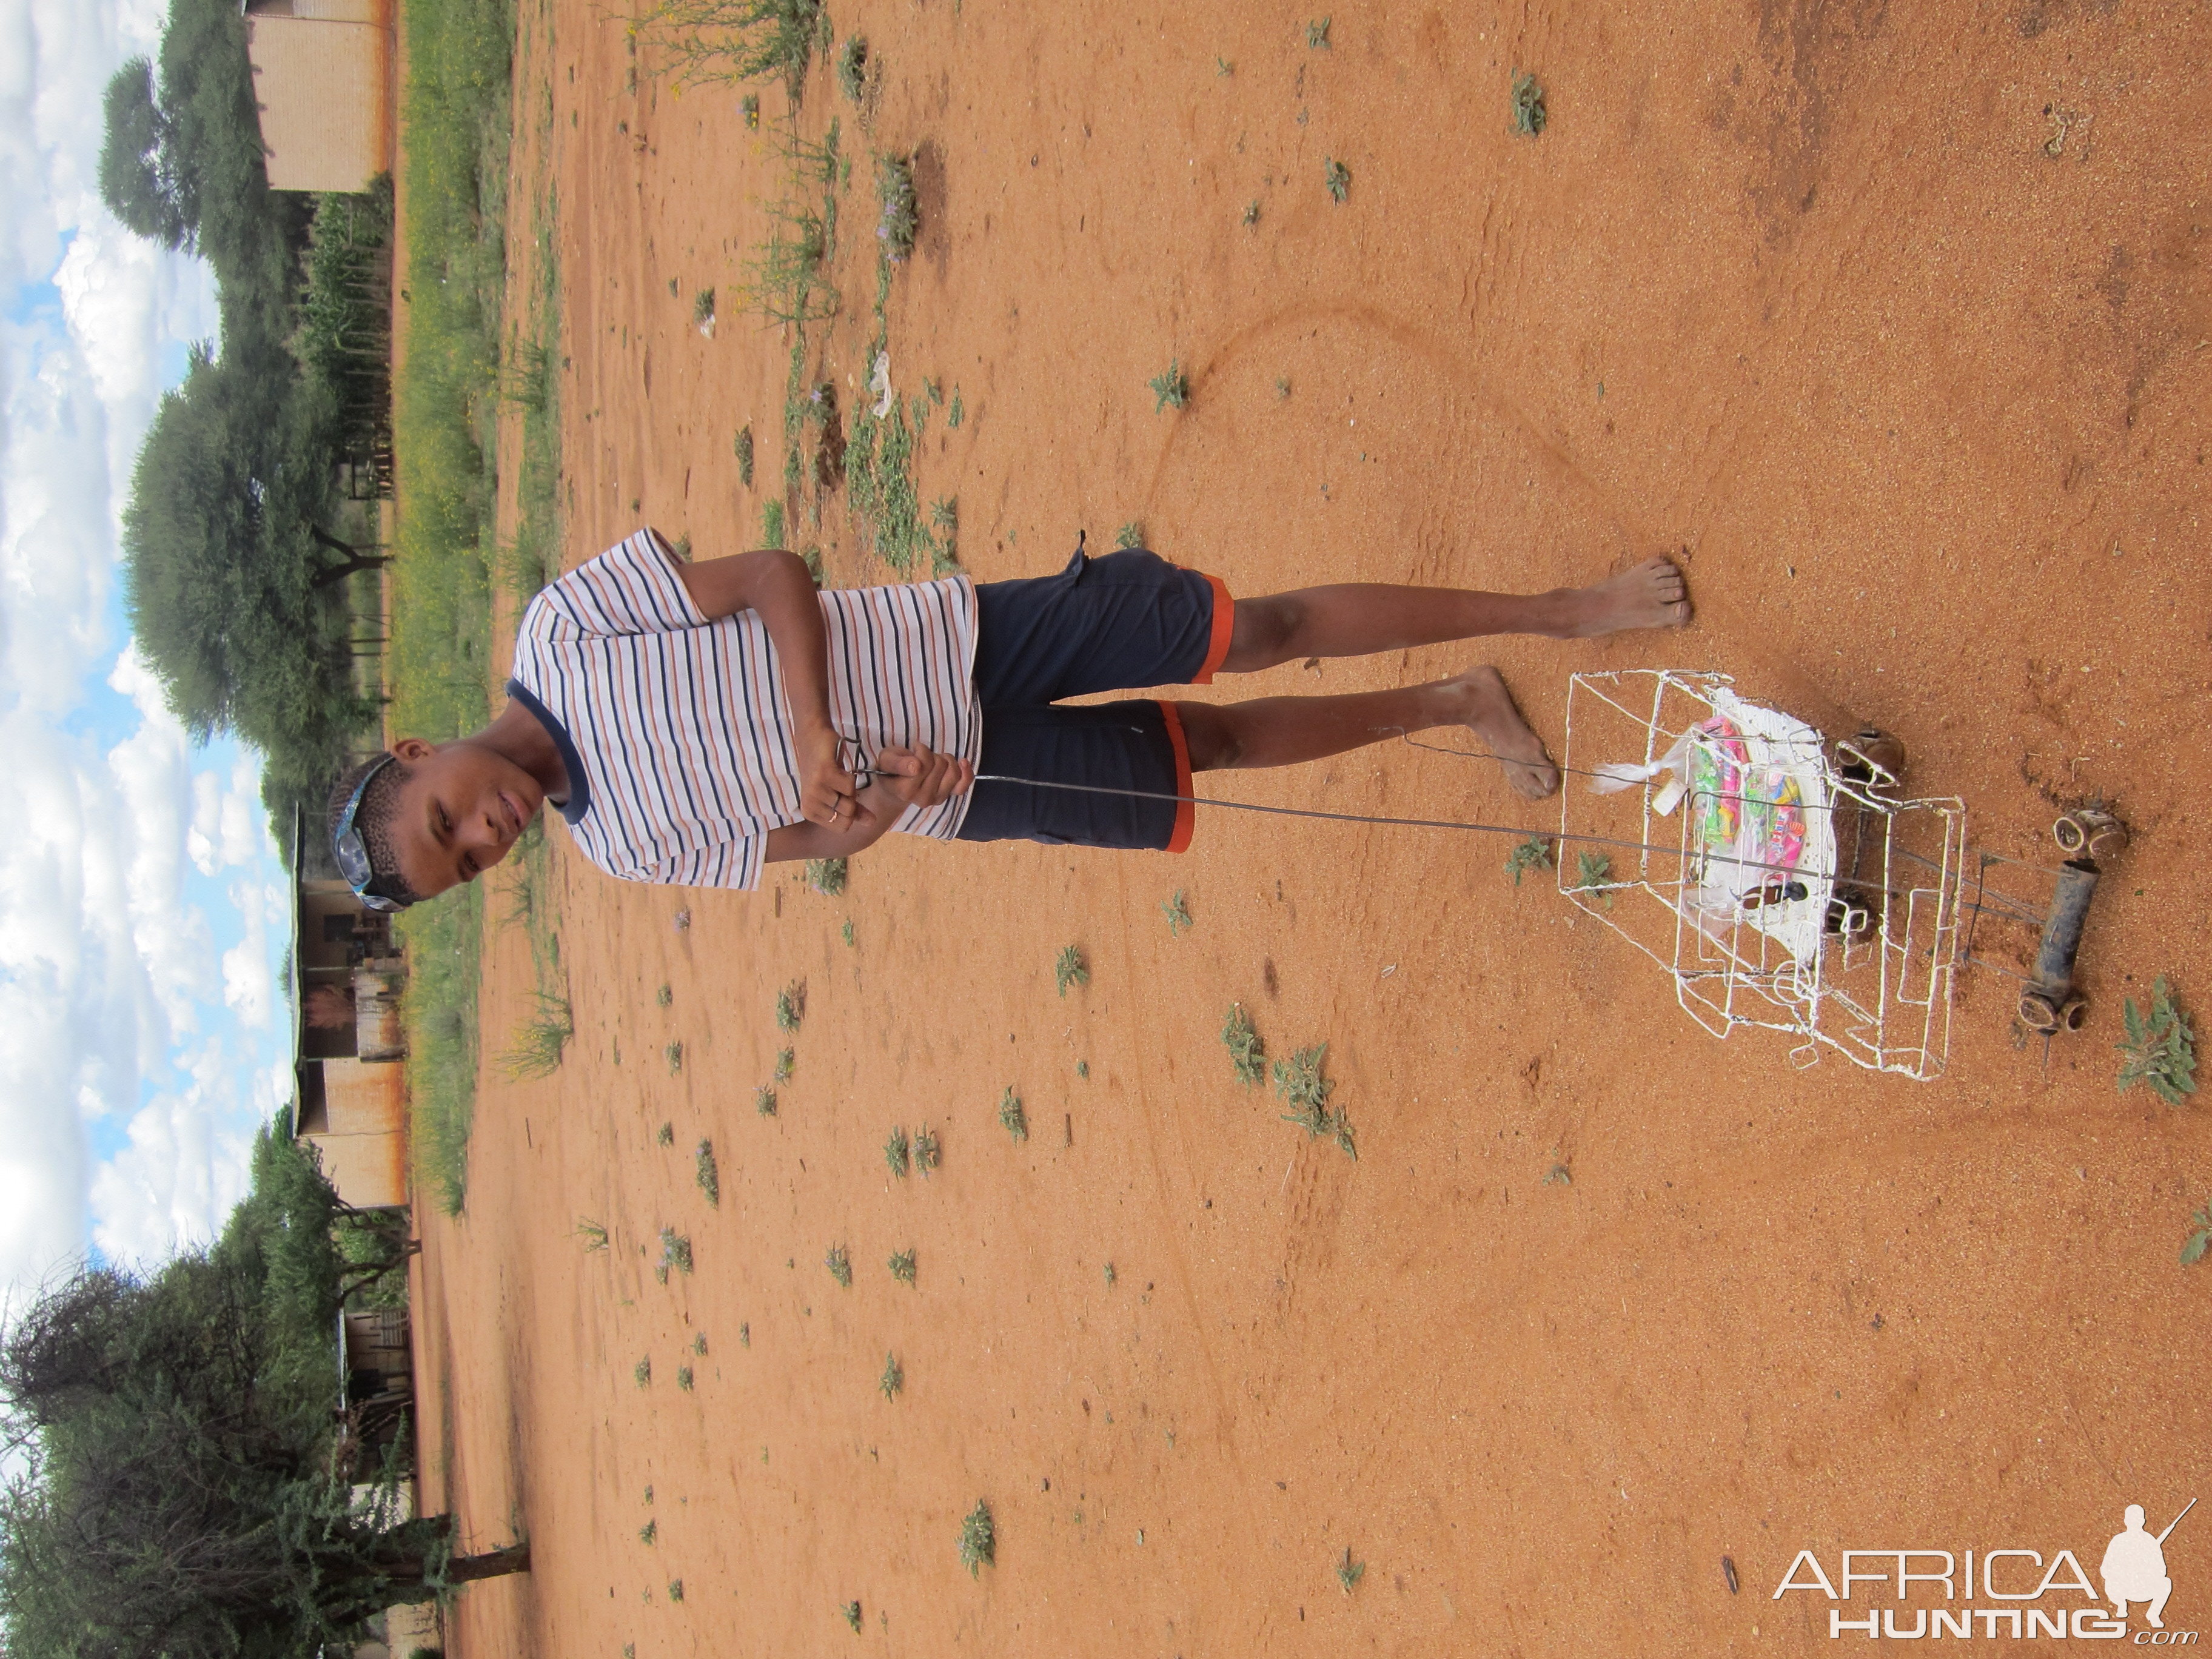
(144, 1033)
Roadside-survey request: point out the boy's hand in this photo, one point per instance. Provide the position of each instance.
(826, 789)
(920, 776)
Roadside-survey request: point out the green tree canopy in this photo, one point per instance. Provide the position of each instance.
(177, 1493)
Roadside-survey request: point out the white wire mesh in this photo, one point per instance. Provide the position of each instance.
(1848, 943)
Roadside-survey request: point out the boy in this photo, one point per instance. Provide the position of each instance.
(693, 721)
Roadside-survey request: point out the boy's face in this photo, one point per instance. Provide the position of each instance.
(459, 812)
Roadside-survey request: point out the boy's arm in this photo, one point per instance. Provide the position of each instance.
(903, 778)
(776, 584)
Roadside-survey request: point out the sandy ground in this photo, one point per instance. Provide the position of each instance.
(1804, 294)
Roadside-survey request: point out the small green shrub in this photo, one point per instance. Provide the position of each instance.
(2160, 1049)
(1070, 969)
(709, 1178)
(894, 1377)
(1529, 112)
(853, 68)
(1246, 1052)
(1337, 177)
(1170, 388)
(902, 1267)
(978, 1545)
(1011, 1116)
(901, 219)
(1534, 854)
(744, 445)
(926, 1150)
(840, 1265)
(1299, 1081)
(826, 876)
(899, 1152)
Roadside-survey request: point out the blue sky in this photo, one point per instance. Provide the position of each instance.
(143, 1034)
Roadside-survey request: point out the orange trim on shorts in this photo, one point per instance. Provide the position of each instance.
(1225, 622)
(1186, 814)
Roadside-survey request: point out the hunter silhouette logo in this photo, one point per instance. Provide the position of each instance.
(2134, 1568)
(2030, 1592)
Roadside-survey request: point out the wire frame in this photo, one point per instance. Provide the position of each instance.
(1853, 948)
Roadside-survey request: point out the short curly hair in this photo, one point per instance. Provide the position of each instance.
(372, 817)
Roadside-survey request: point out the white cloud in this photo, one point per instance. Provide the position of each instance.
(229, 825)
(185, 1166)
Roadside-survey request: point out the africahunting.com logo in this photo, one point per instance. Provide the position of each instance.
(2030, 1596)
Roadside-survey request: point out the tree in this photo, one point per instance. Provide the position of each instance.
(141, 177)
(179, 1491)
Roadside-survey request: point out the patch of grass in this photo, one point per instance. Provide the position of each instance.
(1131, 534)
(593, 1234)
(786, 1061)
(1083, 1068)
(764, 1101)
(675, 1250)
(894, 1377)
(1317, 35)
(846, 932)
(1534, 854)
(665, 1135)
(773, 533)
(2160, 1049)
(1251, 215)
(1222, 66)
(709, 1178)
(731, 42)
(1170, 388)
(1110, 1285)
(1176, 909)
(750, 107)
(2200, 1238)
(1011, 1116)
(641, 1373)
(534, 1052)
(649, 1533)
(900, 219)
(902, 1267)
(827, 877)
(1246, 1052)
(745, 1336)
(1299, 1082)
(899, 1152)
(850, 1612)
(675, 1589)
(702, 312)
(926, 1153)
(665, 996)
(840, 1265)
(683, 1378)
(1529, 112)
(791, 1006)
(1283, 388)
(1594, 870)
(744, 445)
(1070, 969)
(1337, 177)
(673, 1053)
(853, 68)
(956, 412)
(1349, 1572)
(978, 1543)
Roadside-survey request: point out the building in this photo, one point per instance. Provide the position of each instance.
(351, 1099)
(323, 80)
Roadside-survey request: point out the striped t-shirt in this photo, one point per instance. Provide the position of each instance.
(676, 732)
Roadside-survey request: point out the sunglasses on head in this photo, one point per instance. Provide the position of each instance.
(352, 848)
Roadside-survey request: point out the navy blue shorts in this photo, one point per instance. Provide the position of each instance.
(1119, 623)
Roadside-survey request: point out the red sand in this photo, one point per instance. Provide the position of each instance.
(1801, 292)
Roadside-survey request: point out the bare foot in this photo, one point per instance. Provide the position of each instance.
(1493, 718)
(1653, 595)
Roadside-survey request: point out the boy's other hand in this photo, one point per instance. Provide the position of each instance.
(922, 777)
(826, 789)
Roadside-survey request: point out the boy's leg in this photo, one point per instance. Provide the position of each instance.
(1354, 619)
(1285, 731)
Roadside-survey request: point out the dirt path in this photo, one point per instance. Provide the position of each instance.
(1806, 293)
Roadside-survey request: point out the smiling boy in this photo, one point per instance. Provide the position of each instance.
(691, 722)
